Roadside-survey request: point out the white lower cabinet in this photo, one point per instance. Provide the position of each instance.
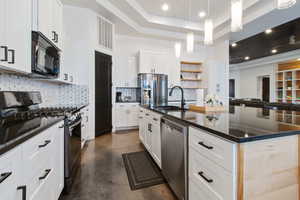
(35, 167)
(209, 175)
(150, 134)
(126, 115)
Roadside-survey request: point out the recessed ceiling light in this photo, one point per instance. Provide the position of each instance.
(274, 51)
(268, 31)
(247, 58)
(165, 7)
(202, 14)
(234, 44)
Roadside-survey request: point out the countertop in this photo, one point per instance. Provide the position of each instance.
(20, 134)
(241, 124)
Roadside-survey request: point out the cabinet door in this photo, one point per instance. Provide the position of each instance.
(45, 18)
(141, 128)
(11, 175)
(18, 34)
(121, 116)
(3, 44)
(134, 112)
(58, 160)
(156, 142)
(57, 19)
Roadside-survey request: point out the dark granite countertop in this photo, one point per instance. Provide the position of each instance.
(241, 124)
(17, 133)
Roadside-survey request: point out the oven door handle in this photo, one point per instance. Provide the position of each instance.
(75, 124)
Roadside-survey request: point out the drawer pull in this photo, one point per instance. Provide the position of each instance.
(24, 190)
(45, 144)
(4, 176)
(205, 178)
(46, 174)
(204, 145)
(147, 114)
(140, 117)
(155, 119)
(5, 53)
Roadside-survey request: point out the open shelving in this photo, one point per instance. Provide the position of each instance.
(288, 83)
(190, 74)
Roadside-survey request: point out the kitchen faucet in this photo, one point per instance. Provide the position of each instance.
(182, 95)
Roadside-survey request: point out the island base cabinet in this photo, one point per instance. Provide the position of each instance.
(269, 169)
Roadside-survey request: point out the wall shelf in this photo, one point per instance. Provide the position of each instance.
(191, 71)
(191, 74)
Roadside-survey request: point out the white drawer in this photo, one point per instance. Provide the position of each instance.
(199, 193)
(219, 151)
(211, 177)
(37, 152)
(10, 171)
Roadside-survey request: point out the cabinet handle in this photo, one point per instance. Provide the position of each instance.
(71, 79)
(65, 77)
(4, 176)
(12, 56)
(155, 119)
(24, 190)
(140, 117)
(206, 146)
(46, 174)
(45, 144)
(54, 36)
(147, 114)
(5, 53)
(205, 178)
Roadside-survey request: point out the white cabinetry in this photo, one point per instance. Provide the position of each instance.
(212, 171)
(49, 20)
(160, 63)
(126, 115)
(150, 134)
(15, 35)
(84, 126)
(31, 168)
(11, 175)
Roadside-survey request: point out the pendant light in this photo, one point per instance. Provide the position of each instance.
(177, 48)
(208, 34)
(208, 28)
(236, 15)
(190, 36)
(283, 4)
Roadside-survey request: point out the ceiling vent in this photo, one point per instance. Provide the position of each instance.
(105, 33)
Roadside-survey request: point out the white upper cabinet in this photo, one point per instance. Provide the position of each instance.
(160, 63)
(49, 20)
(57, 21)
(44, 21)
(15, 35)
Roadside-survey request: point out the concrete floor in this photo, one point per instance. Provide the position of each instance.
(102, 174)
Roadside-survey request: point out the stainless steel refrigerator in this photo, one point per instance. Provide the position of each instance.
(154, 89)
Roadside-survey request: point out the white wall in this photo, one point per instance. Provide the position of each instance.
(81, 33)
(246, 81)
(217, 62)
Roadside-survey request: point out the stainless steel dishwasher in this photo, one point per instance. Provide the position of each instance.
(174, 156)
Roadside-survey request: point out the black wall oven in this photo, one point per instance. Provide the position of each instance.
(45, 56)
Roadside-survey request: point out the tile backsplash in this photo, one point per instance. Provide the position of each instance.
(53, 94)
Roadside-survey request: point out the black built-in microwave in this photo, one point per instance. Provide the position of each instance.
(45, 56)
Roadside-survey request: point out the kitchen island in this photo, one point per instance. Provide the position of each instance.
(246, 153)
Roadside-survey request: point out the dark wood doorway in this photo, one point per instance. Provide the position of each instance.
(232, 88)
(103, 94)
(266, 89)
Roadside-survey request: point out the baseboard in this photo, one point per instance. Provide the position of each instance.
(126, 128)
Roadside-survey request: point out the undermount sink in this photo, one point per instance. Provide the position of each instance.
(170, 108)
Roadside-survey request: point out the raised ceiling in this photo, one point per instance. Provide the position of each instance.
(146, 18)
